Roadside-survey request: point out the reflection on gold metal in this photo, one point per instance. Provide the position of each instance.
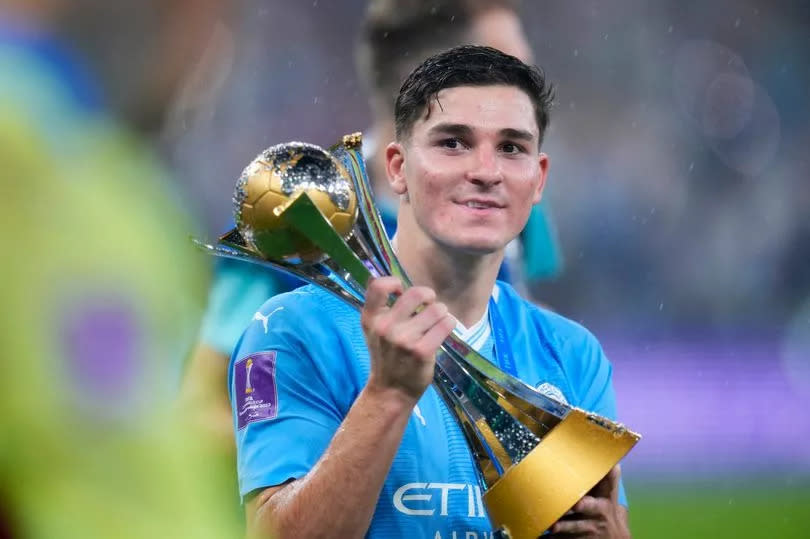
(533, 494)
(495, 446)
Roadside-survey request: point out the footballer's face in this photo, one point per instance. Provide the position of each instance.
(471, 168)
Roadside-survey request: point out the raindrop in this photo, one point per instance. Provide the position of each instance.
(669, 30)
(576, 52)
(691, 166)
(737, 23)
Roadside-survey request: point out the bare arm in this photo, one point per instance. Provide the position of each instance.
(338, 496)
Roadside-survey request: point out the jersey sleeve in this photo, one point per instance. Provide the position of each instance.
(281, 388)
(238, 290)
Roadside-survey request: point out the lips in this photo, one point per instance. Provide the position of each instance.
(481, 203)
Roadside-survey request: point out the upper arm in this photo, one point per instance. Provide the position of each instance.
(282, 388)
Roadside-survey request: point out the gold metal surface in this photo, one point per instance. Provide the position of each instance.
(494, 444)
(353, 140)
(568, 462)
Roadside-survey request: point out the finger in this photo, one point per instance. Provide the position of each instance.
(405, 305)
(589, 506)
(573, 527)
(608, 487)
(433, 337)
(412, 329)
(378, 291)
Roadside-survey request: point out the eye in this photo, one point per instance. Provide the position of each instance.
(451, 143)
(512, 148)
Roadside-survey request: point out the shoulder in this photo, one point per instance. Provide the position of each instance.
(302, 318)
(562, 328)
(307, 299)
(569, 340)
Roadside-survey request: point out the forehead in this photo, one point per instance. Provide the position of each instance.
(495, 107)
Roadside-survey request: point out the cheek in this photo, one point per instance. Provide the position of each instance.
(432, 198)
(523, 195)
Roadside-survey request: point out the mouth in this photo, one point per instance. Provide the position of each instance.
(481, 204)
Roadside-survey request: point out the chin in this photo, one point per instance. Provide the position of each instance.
(474, 246)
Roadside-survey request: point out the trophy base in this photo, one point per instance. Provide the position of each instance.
(570, 460)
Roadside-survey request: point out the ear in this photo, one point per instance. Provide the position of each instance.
(395, 167)
(542, 172)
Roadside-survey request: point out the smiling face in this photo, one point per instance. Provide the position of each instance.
(471, 168)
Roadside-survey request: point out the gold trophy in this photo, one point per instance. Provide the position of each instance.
(310, 213)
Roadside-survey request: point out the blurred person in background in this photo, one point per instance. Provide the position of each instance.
(395, 37)
(101, 290)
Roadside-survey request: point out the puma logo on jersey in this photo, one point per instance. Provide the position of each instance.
(263, 318)
(418, 413)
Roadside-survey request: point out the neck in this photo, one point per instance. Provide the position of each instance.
(461, 280)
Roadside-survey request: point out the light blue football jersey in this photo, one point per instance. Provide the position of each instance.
(300, 365)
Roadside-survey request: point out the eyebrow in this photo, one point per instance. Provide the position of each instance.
(463, 130)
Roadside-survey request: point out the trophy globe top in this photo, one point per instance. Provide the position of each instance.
(273, 180)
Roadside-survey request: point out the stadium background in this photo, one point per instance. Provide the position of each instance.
(680, 186)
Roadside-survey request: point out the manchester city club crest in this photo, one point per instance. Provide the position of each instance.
(550, 390)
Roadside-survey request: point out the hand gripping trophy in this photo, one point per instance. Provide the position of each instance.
(309, 212)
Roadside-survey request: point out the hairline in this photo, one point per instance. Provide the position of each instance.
(425, 112)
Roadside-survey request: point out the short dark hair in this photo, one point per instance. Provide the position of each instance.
(469, 65)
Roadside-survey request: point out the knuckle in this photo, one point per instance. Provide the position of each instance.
(422, 294)
(382, 285)
(403, 343)
(380, 325)
(428, 294)
(435, 311)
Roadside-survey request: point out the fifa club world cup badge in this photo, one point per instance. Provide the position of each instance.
(255, 388)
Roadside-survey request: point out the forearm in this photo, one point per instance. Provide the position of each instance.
(338, 496)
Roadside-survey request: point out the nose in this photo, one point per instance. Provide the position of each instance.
(486, 171)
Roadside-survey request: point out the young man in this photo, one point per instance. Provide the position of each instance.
(354, 439)
(395, 35)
